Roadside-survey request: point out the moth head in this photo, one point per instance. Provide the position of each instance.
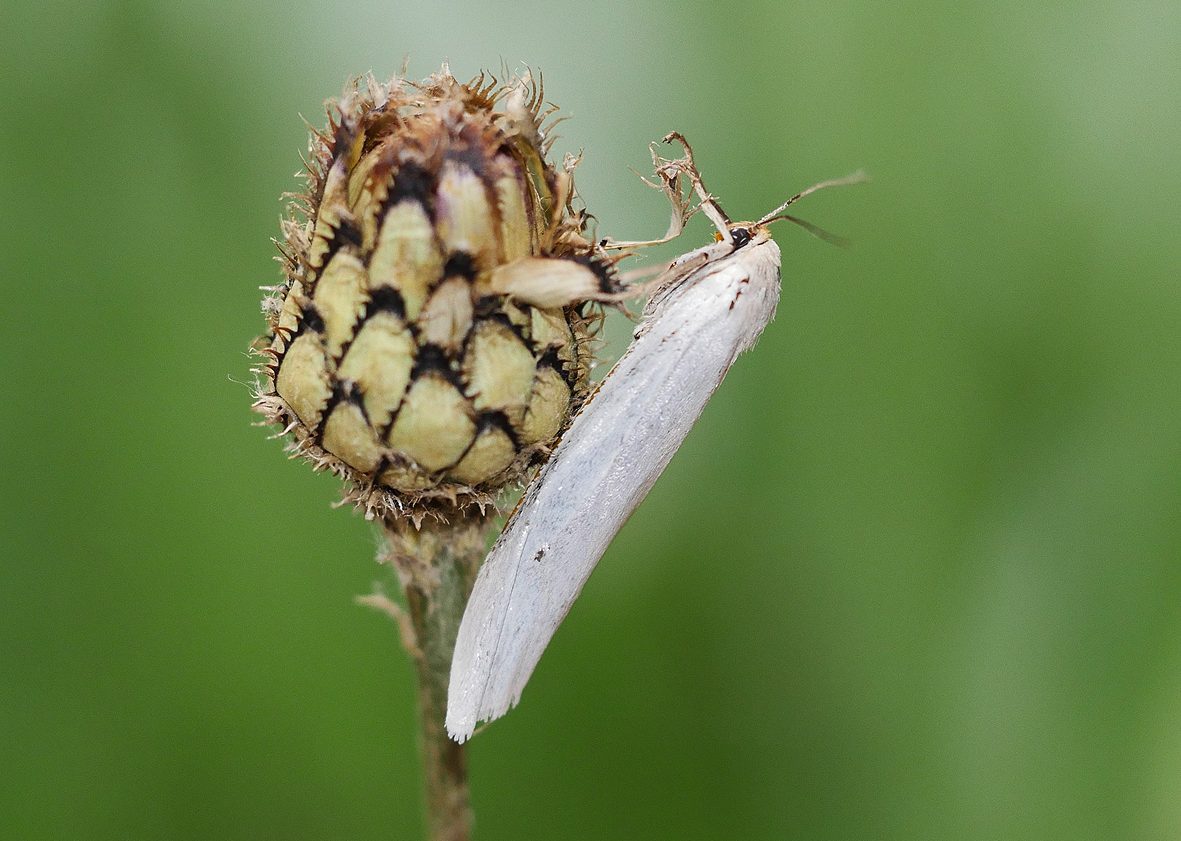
(742, 234)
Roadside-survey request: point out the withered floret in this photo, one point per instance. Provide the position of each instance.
(431, 338)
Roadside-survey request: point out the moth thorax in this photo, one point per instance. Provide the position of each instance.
(391, 356)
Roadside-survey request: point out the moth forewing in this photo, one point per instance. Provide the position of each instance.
(708, 307)
(691, 332)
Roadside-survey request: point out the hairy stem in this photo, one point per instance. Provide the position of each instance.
(436, 564)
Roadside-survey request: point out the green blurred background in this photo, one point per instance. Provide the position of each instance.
(913, 576)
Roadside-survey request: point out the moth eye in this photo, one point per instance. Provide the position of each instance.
(741, 237)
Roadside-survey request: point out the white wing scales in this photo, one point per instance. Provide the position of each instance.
(607, 461)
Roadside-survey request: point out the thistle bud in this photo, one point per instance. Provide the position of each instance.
(430, 340)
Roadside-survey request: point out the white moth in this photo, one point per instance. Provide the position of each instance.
(710, 306)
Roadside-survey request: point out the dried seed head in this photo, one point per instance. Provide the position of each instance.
(430, 340)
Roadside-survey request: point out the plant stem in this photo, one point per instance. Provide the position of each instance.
(436, 564)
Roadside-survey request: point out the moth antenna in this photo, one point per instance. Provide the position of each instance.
(814, 230)
(858, 177)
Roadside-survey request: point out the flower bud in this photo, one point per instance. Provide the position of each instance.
(431, 338)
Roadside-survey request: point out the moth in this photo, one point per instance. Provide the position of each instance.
(708, 307)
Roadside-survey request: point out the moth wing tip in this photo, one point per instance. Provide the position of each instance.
(462, 725)
(459, 727)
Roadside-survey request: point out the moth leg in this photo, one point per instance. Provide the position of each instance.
(669, 182)
(672, 174)
(707, 203)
